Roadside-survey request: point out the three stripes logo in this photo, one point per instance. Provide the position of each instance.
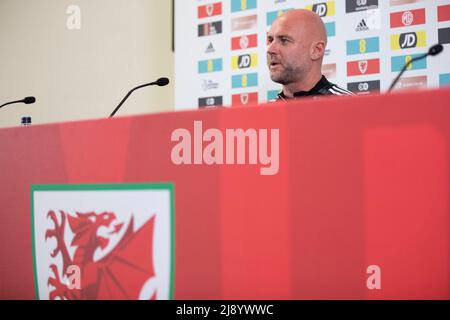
(210, 48)
(362, 26)
(339, 91)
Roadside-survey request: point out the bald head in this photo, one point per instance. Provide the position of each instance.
(296, 46)
(305, 22)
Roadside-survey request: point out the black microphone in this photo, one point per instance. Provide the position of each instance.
(26, 100)
(433, 51)
(160, 82)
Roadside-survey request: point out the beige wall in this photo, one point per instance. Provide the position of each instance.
(83, 74)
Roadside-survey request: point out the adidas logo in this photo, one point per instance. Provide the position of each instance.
(362, 26)
(210, 48)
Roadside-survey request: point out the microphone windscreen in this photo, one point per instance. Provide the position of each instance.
(162, 82)
(436, 49)
(29, 100)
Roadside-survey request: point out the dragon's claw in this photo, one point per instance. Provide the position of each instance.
(52, 215)
(54, 253)
(50, 233)
(60, 289)
(85, 241)
(54, 269)
(51, 282)
(57, 232)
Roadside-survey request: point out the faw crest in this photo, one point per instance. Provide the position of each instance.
(362, 65)
(103, 241)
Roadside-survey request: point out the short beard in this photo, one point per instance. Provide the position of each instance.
(287, 76)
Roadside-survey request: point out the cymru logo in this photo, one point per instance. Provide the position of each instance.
(103, 241)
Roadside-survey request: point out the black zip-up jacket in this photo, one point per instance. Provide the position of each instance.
(323, 87)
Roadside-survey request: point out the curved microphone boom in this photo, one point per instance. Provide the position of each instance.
(433, 51)
(160, 82)
(26, 100)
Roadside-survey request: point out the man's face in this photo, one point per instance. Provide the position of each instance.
(287, 51)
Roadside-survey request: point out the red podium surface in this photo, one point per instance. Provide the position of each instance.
(362, 182)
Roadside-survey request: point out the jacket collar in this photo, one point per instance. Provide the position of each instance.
(316, 90)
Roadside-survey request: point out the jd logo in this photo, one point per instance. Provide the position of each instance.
(244, 61)
(320, 9)
(408, 40)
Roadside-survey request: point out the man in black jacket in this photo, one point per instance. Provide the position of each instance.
(296, 45)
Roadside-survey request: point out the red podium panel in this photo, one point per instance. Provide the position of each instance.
(361, 183)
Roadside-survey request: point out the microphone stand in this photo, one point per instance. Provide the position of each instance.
(433, 51)
(126, 97)
(18, 101)
(404, 69)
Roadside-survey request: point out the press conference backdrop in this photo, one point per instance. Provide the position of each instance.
(220, 47)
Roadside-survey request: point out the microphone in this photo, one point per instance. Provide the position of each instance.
(433, 51)
(161, 82)
(26, 100)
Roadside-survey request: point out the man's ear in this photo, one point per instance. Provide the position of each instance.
(317, 50)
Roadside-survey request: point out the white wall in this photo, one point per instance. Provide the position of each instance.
(83, 74)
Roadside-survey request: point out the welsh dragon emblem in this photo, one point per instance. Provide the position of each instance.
(119, 274)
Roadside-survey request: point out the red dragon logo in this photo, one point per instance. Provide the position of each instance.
(120, 274)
